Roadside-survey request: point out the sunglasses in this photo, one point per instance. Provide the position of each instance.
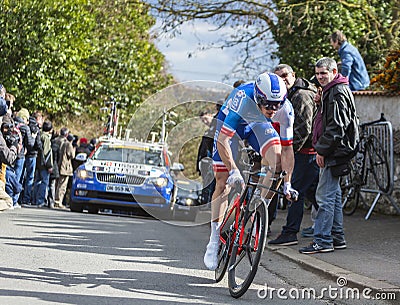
(272, 106)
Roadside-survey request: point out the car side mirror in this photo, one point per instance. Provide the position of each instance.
(177, 167)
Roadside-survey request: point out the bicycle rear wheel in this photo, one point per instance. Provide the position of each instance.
(247, 251)
(379, 166)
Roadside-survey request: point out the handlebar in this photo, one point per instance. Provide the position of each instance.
(253, 155)
(381, 119)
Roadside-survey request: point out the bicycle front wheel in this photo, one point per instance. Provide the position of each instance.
(223, 258)
(247, 250)
(378, 163)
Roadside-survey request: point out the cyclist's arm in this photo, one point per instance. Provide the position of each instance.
(225, 151)
(286, 121)
(228, 130)
(287, 161)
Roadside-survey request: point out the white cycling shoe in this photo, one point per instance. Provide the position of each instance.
(211, 255)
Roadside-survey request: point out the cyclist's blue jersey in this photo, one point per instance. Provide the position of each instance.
(240, 115)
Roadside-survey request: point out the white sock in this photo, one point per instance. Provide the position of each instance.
(214, 236)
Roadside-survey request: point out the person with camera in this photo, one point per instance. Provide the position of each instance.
(13, 138)
(9, 147)
(19, 126)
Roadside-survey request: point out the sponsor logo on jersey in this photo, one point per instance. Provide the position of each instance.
(269, 131)
(237, 100)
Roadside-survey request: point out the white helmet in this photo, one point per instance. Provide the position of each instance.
(270, 91)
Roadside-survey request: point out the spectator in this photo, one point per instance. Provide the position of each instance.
(204, 161)
(44, 166)
(67, 153)
(92, 144)
(38, 118)
(8, 154)
(12, 187)
(14, 173)
(30, 160)
(301, 93)
(56, 141)
(27, 142)
(309, 231)
(75, 141)
(83, 148)
(352, 65)
(336, 139)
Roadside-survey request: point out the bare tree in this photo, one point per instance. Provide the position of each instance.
(293, 31)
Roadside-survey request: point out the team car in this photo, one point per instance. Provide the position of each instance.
(126, 175)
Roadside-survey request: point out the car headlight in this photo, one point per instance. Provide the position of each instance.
(84, 174)
(160, 181)
(189, 201)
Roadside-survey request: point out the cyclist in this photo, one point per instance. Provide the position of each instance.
(246, 115)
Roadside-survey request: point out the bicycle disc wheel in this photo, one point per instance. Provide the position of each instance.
(247, 251)
(378, 163)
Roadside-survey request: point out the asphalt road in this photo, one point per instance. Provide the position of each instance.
(60, 257)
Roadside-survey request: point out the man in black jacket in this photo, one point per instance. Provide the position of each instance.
(301, 93)
(204, 161)
(336, 140)
(30, 161)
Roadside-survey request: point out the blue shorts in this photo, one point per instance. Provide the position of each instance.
(260, 135)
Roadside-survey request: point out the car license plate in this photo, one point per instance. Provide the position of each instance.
(119, 189)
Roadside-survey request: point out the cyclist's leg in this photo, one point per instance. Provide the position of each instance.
(221, 192)
(218, 204)
(218, 207)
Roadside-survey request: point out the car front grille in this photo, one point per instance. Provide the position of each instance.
(122, 179)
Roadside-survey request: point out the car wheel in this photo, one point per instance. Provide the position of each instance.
(75, 207)
(93, 210)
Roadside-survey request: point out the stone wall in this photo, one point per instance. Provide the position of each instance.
(369, 106)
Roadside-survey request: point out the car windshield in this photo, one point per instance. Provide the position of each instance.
(129, 154)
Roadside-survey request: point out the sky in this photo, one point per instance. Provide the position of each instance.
(211, 65)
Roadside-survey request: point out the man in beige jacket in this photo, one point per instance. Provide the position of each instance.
(67, 153)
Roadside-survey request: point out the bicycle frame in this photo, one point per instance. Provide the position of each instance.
(239, 205)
